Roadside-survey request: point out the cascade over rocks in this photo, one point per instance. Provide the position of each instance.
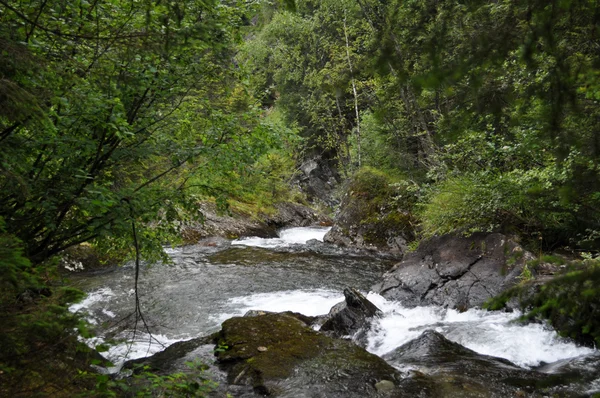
(461, 372)
(351, 317)
(281, 356)
(455, 271)
(235, 225)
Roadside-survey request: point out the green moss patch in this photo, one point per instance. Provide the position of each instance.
(267, 350)
(271, 344)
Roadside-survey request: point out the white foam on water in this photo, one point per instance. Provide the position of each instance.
(287, 237)
(144, 345)
(593, 387)
(108, 313)
(307, 302)
(141, 346)
(172, 250)
(101, 295)
(486, 332)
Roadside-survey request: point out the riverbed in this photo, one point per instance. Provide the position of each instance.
(207, 284)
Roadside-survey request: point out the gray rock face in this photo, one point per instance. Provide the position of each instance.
(455, 271)
(319, 180)
(351, 317)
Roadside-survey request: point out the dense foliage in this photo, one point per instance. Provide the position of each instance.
(116, 118)
(488, 110)
(491, 106)
(118, 111)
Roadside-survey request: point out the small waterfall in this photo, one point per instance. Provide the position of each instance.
(287, 237)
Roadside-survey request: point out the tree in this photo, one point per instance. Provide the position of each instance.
(92, 131)
(308, 64)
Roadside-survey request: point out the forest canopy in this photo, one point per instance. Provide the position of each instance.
(490, 106)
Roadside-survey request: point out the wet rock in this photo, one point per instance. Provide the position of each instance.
(296, 215)
(455, 271)
(300, 362)
(460, 372)
(319, 179)
(351, 317)
(235, 225)
(86, 258)
(385, 386)
(166, 361)
(213, 244)
(574, 376)
(371, 219)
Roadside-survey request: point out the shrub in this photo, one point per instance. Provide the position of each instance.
(530, 203)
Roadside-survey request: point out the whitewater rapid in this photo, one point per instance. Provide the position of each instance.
(490, 333)
(287, 237)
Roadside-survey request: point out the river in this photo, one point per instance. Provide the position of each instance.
(206, 285)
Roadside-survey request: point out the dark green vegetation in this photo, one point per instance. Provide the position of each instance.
(117, 118)
(490, 107)
(570, 301)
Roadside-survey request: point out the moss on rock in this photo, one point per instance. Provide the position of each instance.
(569, 301)
(376, 213)
(276, 352)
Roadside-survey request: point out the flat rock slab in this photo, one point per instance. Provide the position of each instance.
(456, 271)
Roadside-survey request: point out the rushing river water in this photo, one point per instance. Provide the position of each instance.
(206, 285)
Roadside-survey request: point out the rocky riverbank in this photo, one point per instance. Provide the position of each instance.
(236, 224)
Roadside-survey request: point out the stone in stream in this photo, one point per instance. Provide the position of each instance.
(577, 377)
(455, 271)
(351, 317)
(167, 360)
(461, 372)
(301, 362)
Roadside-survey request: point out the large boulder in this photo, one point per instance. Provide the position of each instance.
(456, 271)
(461, 372)
(371, 217)
(279, 355)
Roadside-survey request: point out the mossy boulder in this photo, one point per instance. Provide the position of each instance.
(375, 214)
(280, 355)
